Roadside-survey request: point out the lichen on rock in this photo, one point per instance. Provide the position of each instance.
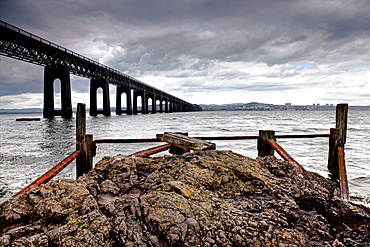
(205, 198)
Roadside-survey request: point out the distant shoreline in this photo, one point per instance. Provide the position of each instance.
(253, 106)
(21, 111)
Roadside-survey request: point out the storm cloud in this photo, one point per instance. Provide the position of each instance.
(208, 51)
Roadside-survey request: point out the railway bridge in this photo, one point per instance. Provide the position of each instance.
(59, 63)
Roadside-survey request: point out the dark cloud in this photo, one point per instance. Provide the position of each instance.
(22, 78)
(208, 44)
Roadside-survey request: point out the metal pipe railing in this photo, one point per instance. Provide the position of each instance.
(266, 140)
(150, 151)
(125, 140)
(208, 138)
(343, 181)
(284, 154)
(47, 176)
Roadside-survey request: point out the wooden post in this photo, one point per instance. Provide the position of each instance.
(335, 141)
(264, 148)
(336, 162)
(80, 139)
(341, 120)
(89, 152)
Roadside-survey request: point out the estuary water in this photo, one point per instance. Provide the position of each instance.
(29, 149)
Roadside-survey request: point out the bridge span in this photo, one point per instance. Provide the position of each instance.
(60, 62)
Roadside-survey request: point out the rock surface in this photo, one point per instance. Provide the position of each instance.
(208, 198)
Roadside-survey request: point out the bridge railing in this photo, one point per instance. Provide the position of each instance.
(47, 42)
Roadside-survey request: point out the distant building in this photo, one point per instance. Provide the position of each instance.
(255, 106)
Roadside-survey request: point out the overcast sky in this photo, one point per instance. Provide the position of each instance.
(203, 51)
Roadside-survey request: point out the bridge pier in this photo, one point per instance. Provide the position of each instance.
(166, 105)
(59, 62)
(170, 109)
(127, 91)
(104, 85)
(134, 102)
(174, 106)
(161, 104)
(148, 96)
(154, 104)
(50, 75)
(144, 103)
(128, 100)
(119, 91)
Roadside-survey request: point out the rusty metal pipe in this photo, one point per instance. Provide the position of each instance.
(47, 176)
(256, 137)
(226, 137)
(343, 182)
(303, 136)
(151, 151)
(209, 138)
(126, 140)
(284, 154)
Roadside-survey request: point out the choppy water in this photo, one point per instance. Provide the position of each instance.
(28, 149)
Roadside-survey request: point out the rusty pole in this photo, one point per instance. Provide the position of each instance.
(284, 154)
(151, 151)
(47, 176)
(343, 181)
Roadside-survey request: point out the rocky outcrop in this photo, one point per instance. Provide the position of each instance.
(208, 198)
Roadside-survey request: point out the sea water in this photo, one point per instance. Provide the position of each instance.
(29, 149)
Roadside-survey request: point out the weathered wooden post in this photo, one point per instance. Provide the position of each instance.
(178, 150)
(264, 148)
(89, 151)
(83, 142)
(341, 120)
(335, 141)
(336, 160)
(80, 138)
(341, 123)
(181, 143)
